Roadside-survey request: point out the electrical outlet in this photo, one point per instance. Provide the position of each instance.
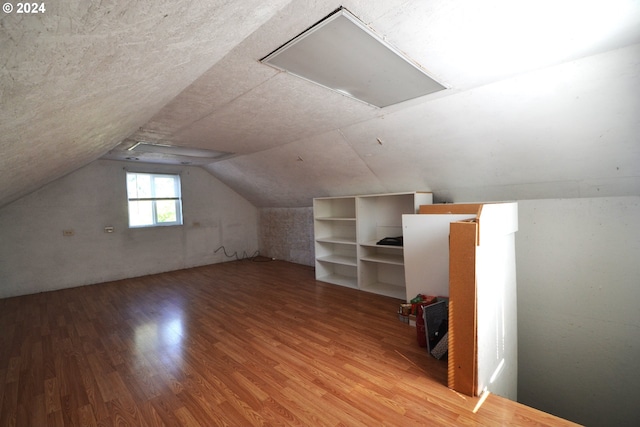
(68, 233)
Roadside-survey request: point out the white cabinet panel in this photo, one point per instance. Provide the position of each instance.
(426, 252)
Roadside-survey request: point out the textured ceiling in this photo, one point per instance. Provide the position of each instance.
(542, 100)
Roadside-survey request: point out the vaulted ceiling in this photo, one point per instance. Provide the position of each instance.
(542, 98)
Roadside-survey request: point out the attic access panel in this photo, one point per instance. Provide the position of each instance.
(343, 54)
(149, 152)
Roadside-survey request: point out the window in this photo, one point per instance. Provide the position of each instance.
(154, 199)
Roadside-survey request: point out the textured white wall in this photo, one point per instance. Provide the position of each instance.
(287, 234)
(36, 257)
(578, 270)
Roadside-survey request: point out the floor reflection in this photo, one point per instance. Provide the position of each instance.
(165, 337)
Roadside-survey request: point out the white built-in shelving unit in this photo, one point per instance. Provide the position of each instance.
(335, 240)
(346, 231)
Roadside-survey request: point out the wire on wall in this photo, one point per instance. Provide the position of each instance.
(254, 257)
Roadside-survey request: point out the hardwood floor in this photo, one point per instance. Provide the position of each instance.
(240, 344)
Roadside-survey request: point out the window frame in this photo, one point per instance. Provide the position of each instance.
(177, 183)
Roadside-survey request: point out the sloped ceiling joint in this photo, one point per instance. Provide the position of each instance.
(216, 109)
(364, 158)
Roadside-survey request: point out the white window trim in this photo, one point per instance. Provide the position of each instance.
(178, 200)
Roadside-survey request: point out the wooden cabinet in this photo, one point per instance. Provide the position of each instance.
(346, 231)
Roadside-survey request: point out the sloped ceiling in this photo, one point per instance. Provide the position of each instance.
(542, 97)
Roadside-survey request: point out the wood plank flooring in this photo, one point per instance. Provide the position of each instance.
(240, 344)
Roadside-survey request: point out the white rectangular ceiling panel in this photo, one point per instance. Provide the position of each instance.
(343, 54)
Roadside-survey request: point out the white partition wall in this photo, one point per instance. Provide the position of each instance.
(467, 252)
(426, 246)
(496, 301)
